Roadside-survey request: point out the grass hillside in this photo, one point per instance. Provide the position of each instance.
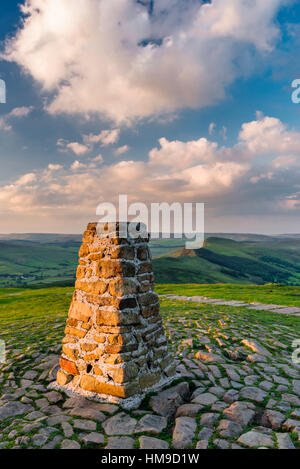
(266, 294)
(29, 260)
(27, 263)
(228, 359)
(237, 262)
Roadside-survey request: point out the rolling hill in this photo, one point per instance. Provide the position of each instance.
(228, 261)
(28, 260)
(25, 263)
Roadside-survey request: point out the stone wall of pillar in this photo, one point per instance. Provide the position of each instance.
(115, 344)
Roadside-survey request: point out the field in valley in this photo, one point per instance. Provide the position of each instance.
(29, 260)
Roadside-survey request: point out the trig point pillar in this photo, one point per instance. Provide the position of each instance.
(115, 348)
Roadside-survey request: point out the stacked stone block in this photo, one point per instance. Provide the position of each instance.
(115, 347)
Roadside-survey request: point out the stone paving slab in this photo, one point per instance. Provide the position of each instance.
(234, 303)
(280, 309)
(265, 307)
(237, 388)
(287, 311)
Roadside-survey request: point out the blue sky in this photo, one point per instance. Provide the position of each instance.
(195, 90)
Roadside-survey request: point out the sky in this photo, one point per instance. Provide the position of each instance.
(162, 100)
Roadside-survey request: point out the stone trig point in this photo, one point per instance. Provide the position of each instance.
(115, 348)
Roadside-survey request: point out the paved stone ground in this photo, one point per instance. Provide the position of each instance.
(255, 306)
(237, 388)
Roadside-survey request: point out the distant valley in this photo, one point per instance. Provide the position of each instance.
(47, 259)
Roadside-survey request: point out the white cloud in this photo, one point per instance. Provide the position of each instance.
(215, 178)
(26, 179)
(266, 176)
(286, 161)
(77, 166)
(106, 137)
(198, 170)
(16, 113)
(61, 143)
(269, 135)
(75, 147)
(54, 167)
(20, 111)
(291, 203)
(95, 162)
(98, 159)
(4, 125)
(115, 59)
(183, 154)
(78, 148)
(224, 132)
(211, 128)
(122, 150)
(245, 21)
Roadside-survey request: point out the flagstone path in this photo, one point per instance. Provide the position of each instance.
(255, 306)
(238, 387)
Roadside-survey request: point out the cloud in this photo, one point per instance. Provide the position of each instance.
(75, 147)
(256, 179)
(125, 60)
(211, 128)
(16, 113)
(227, 179)
(20, 111)
(26, 179)
(224, 132)
(54, 167)
(78, 148)
(98, 159)
(77, 166)
(106, 137)
(122, 150)
(292, 202)
(269, 135)
(183, 154)
(4, 125)
(286, 161)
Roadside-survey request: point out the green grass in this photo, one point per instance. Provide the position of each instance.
(224, 260)
(26, 263)
(52, 260)
(190, 269)
(38, 308)
(32, 324)
(268, 294)
(41, 308)
(238, 314)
